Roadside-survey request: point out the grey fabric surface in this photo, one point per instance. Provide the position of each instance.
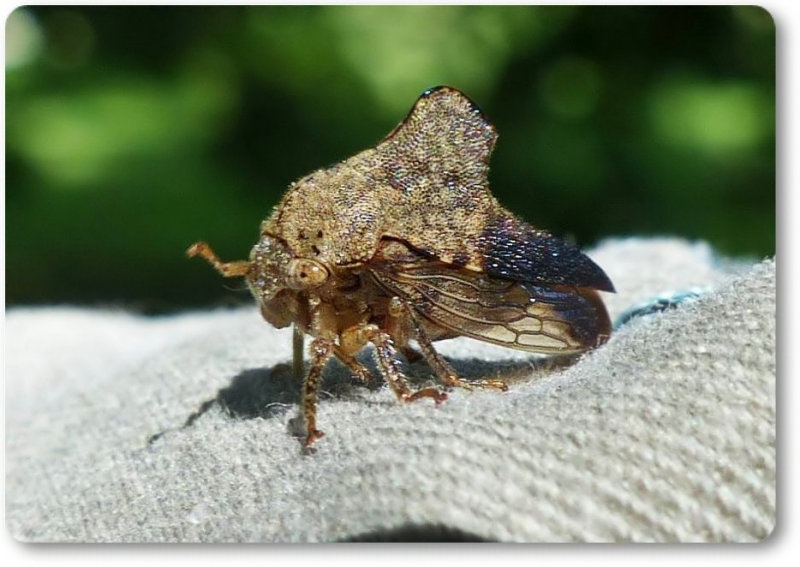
(124, 428)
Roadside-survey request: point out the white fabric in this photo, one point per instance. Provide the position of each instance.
(666, 433)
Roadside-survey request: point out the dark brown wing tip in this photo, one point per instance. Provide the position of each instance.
(597, 277)
(607, 285)
(601, 327)
(514, 250)
(582, 309)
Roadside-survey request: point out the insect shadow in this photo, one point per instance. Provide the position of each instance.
(264, 393)
(268, 393)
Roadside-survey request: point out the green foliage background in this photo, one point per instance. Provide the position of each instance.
(133, 131)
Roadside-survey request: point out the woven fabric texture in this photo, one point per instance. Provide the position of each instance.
(122, 428)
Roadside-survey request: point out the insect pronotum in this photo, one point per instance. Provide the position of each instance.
(405, 241)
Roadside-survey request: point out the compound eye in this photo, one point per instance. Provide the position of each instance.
(303, 273)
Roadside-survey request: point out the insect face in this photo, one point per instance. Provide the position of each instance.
(267, 277)
(275, 275)
(269, 262)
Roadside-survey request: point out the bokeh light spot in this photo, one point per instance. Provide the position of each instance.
(711, 117)
(23, 38)
(78, 138)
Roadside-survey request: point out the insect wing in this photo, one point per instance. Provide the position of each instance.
(520, 315)
(513, 249)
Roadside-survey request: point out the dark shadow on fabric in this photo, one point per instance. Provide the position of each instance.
(417, 534)
(512, 371)
(268, 393)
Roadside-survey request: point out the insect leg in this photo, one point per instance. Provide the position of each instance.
(298, 343)
(398, 329)
(445, 372)
(351, 341)
(386, 356)
(227, 269)
(321, 351)
(356, 368)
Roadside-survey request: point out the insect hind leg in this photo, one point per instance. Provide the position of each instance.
(357, 369)
(386, 356)
(440, 366)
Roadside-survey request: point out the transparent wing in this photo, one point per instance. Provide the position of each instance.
(520, 315)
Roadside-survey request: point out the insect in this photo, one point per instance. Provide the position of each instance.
(404, 241)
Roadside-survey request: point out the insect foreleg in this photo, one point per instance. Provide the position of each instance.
(440, 366)
(321, 352)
